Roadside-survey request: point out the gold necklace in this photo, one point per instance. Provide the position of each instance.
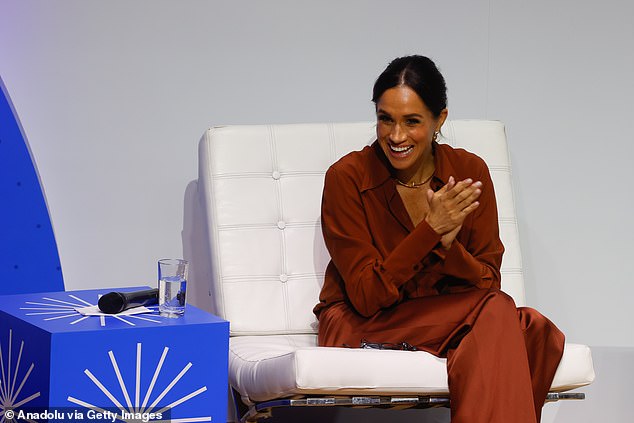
(414, 184)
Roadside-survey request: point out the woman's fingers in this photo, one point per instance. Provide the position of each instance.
(451, 204)
(447, 187)
(455, 188)
(450, 183)
(463, 186)
(468, 196)
(471, 207)
(462, 194)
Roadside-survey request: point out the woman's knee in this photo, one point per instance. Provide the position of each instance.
(532, 321)
(501, 302)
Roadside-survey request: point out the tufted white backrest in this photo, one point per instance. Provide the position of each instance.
(260, 191)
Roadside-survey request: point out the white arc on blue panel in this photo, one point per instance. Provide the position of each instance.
(147, 402)
(55, 309)
(11, 396)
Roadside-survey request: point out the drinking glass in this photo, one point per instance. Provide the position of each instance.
(172, 276)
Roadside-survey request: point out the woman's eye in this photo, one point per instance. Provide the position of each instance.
(384, 119)
(412, 122)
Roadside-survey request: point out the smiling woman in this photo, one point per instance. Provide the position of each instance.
(411, 107)
(412, 230)
(406, 129)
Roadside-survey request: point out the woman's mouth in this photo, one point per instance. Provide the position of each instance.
(400, 151)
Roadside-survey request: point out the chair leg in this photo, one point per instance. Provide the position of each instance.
(243, 412)
(557, 396)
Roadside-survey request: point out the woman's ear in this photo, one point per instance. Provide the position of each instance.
(442, 117)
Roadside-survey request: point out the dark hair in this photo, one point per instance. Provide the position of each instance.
(418, 73)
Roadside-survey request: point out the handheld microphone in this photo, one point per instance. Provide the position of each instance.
(116, 302)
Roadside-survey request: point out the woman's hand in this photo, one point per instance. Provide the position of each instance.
(447, 239)
(449, 206)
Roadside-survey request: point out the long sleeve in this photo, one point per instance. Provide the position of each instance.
(371, 280)
(378, 258)
(476, 254)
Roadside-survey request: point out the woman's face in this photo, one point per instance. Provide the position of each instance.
(405, 128)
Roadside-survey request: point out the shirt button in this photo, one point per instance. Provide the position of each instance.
(281, 224)
(283, 278)
(276, 175)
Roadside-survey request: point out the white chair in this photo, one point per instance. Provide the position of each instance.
(253, 236)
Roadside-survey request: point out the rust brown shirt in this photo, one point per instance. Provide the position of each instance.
(378, 257)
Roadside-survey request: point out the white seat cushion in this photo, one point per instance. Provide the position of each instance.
(267, 367)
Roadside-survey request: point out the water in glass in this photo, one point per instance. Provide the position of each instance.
(172, 294)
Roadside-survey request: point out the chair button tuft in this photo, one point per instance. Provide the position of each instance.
(276, 175)
(283, 278)
(281, 224)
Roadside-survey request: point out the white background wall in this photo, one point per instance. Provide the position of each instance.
(114, 95)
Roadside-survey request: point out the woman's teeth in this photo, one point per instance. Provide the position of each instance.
(400, 149)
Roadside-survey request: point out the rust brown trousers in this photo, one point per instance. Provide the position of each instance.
(501, 360)
(391, 281)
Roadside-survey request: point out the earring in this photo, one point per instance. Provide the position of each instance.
(435, 137)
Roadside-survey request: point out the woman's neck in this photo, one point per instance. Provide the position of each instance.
(418, 176)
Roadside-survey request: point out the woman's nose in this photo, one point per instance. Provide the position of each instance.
(397, 135)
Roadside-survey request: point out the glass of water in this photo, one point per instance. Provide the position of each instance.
(172, 275)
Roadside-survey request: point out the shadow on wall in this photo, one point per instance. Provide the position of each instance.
(29, 261)
(196, 250)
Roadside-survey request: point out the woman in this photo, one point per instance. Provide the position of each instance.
(411, 227)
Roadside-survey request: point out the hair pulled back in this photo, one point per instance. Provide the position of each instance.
(418, 73)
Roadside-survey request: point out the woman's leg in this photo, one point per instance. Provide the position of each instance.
(503, 368)
(545, 346)
(500, 371)
(426, 322)
(489, 375)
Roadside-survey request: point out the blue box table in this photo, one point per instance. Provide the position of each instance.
(53, 357)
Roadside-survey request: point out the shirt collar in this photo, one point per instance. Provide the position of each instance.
(379, 167)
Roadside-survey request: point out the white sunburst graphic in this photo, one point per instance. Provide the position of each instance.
(130, 412)
(10, 395)
(54, 309)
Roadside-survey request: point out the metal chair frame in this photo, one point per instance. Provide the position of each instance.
(264, 410)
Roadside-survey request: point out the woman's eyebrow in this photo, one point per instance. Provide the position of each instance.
(407, 116)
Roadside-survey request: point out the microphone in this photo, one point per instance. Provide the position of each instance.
(116, 302)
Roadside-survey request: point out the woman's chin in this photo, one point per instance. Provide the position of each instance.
(402, 163)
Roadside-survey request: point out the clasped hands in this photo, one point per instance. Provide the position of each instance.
(450, 205)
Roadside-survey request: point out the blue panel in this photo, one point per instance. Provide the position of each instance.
(24, 356)
(142, 364)
(29, 261)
